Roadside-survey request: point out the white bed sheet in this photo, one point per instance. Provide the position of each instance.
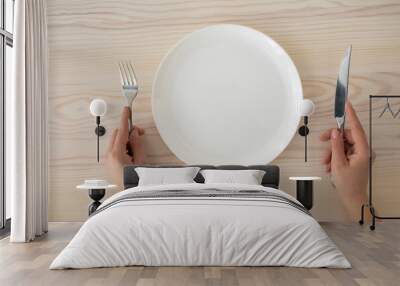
(214, 231)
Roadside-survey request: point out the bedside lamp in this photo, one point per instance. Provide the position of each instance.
(306, 109)
(98, 108)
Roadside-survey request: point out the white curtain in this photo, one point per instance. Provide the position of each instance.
(28, 135)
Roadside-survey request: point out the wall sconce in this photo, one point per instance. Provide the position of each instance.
(98, 108)
(306, 109)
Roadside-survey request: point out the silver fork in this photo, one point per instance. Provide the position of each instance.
(130, 87)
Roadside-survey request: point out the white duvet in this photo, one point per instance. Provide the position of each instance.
(193, 231)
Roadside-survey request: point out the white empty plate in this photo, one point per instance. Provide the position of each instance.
(227, 94)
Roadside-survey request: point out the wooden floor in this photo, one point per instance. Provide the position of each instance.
(375, 257)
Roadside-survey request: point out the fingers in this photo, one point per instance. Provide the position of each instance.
(326, 160)
(338, 152)
(348, 136)
(135, 132)
(140, 130)
(326, 135)
(327, 157)
(354, 135)
(112, 139)
(137, 144)
(348, 148)
(122, 136)
(356, 128)
(125, 116)
(328, 168)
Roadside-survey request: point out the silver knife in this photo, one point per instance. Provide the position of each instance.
(342, 90)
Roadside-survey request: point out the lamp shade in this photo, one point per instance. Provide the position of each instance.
(307, 107)
(98, 107)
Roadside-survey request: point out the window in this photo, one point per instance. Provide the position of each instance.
(6, 44)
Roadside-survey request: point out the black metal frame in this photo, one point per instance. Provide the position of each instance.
(370, 204)
(99, 131)
(303, 131)
(6, 39)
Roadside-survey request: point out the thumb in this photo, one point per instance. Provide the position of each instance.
(338, 152)
(133, 135)
(137, 145)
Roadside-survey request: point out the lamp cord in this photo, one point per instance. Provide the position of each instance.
(98, 138)
(305, 137)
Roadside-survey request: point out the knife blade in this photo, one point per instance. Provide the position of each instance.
(342, 89)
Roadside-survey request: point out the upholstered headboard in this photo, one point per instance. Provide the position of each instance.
(270, 179)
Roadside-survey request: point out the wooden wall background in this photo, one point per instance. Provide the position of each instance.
(88, 37)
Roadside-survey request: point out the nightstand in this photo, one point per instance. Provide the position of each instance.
(304, 190)
(96, 190)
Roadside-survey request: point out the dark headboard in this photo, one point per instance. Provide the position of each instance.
(270, 179)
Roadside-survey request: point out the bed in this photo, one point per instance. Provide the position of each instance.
(198, 224)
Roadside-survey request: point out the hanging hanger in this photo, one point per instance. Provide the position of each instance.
(387, 107)
(397, 113)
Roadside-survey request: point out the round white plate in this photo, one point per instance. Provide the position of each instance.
(227, 94)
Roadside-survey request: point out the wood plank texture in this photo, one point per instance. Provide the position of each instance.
(375, 258)
(88, 38)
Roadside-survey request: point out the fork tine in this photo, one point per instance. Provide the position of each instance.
(132, 73)
(123, 71)
(127, 73)
(121, 74)
(127, 82)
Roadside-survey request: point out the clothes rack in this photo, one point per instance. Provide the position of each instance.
(370, 203)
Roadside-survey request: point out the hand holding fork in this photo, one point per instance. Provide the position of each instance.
(130, 90)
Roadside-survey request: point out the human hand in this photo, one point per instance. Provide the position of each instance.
(116, 154)
(346, 160)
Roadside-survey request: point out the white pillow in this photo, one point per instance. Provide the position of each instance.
(248, 177)
(164, 176)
